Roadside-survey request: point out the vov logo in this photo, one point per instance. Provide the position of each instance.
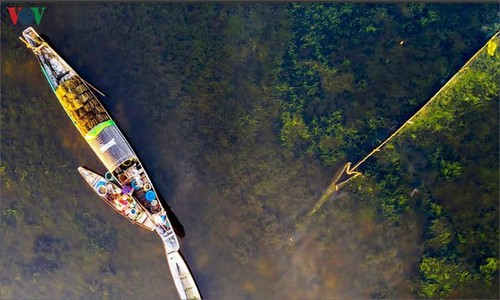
(26, 15)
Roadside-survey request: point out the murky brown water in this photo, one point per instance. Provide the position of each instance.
(237, 206)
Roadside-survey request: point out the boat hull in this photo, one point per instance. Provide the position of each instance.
(133, 184)
(96, 126)
(184, 281)
(114, 196)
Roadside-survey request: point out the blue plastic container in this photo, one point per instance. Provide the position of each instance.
(100, 183)
(133, 184)
(108, 176)
(150, 195)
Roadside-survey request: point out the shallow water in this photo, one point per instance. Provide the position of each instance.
(236, 199)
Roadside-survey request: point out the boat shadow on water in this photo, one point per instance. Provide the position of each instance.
(176, 224)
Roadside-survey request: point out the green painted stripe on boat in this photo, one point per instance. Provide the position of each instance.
(92, 134)
(46, 76)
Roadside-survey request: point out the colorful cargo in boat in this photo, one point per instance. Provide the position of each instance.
(105, 138)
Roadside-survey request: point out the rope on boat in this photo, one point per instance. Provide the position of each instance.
(93, 87)
(84, 81)
(351, 173)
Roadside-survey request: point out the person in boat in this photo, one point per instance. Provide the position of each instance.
(121, 201)
(127, 189)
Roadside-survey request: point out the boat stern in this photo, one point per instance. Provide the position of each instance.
(88, 175)
(184, 281)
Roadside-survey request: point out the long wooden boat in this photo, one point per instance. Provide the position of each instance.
(97, 127)
(105, 138)
(119, 199)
